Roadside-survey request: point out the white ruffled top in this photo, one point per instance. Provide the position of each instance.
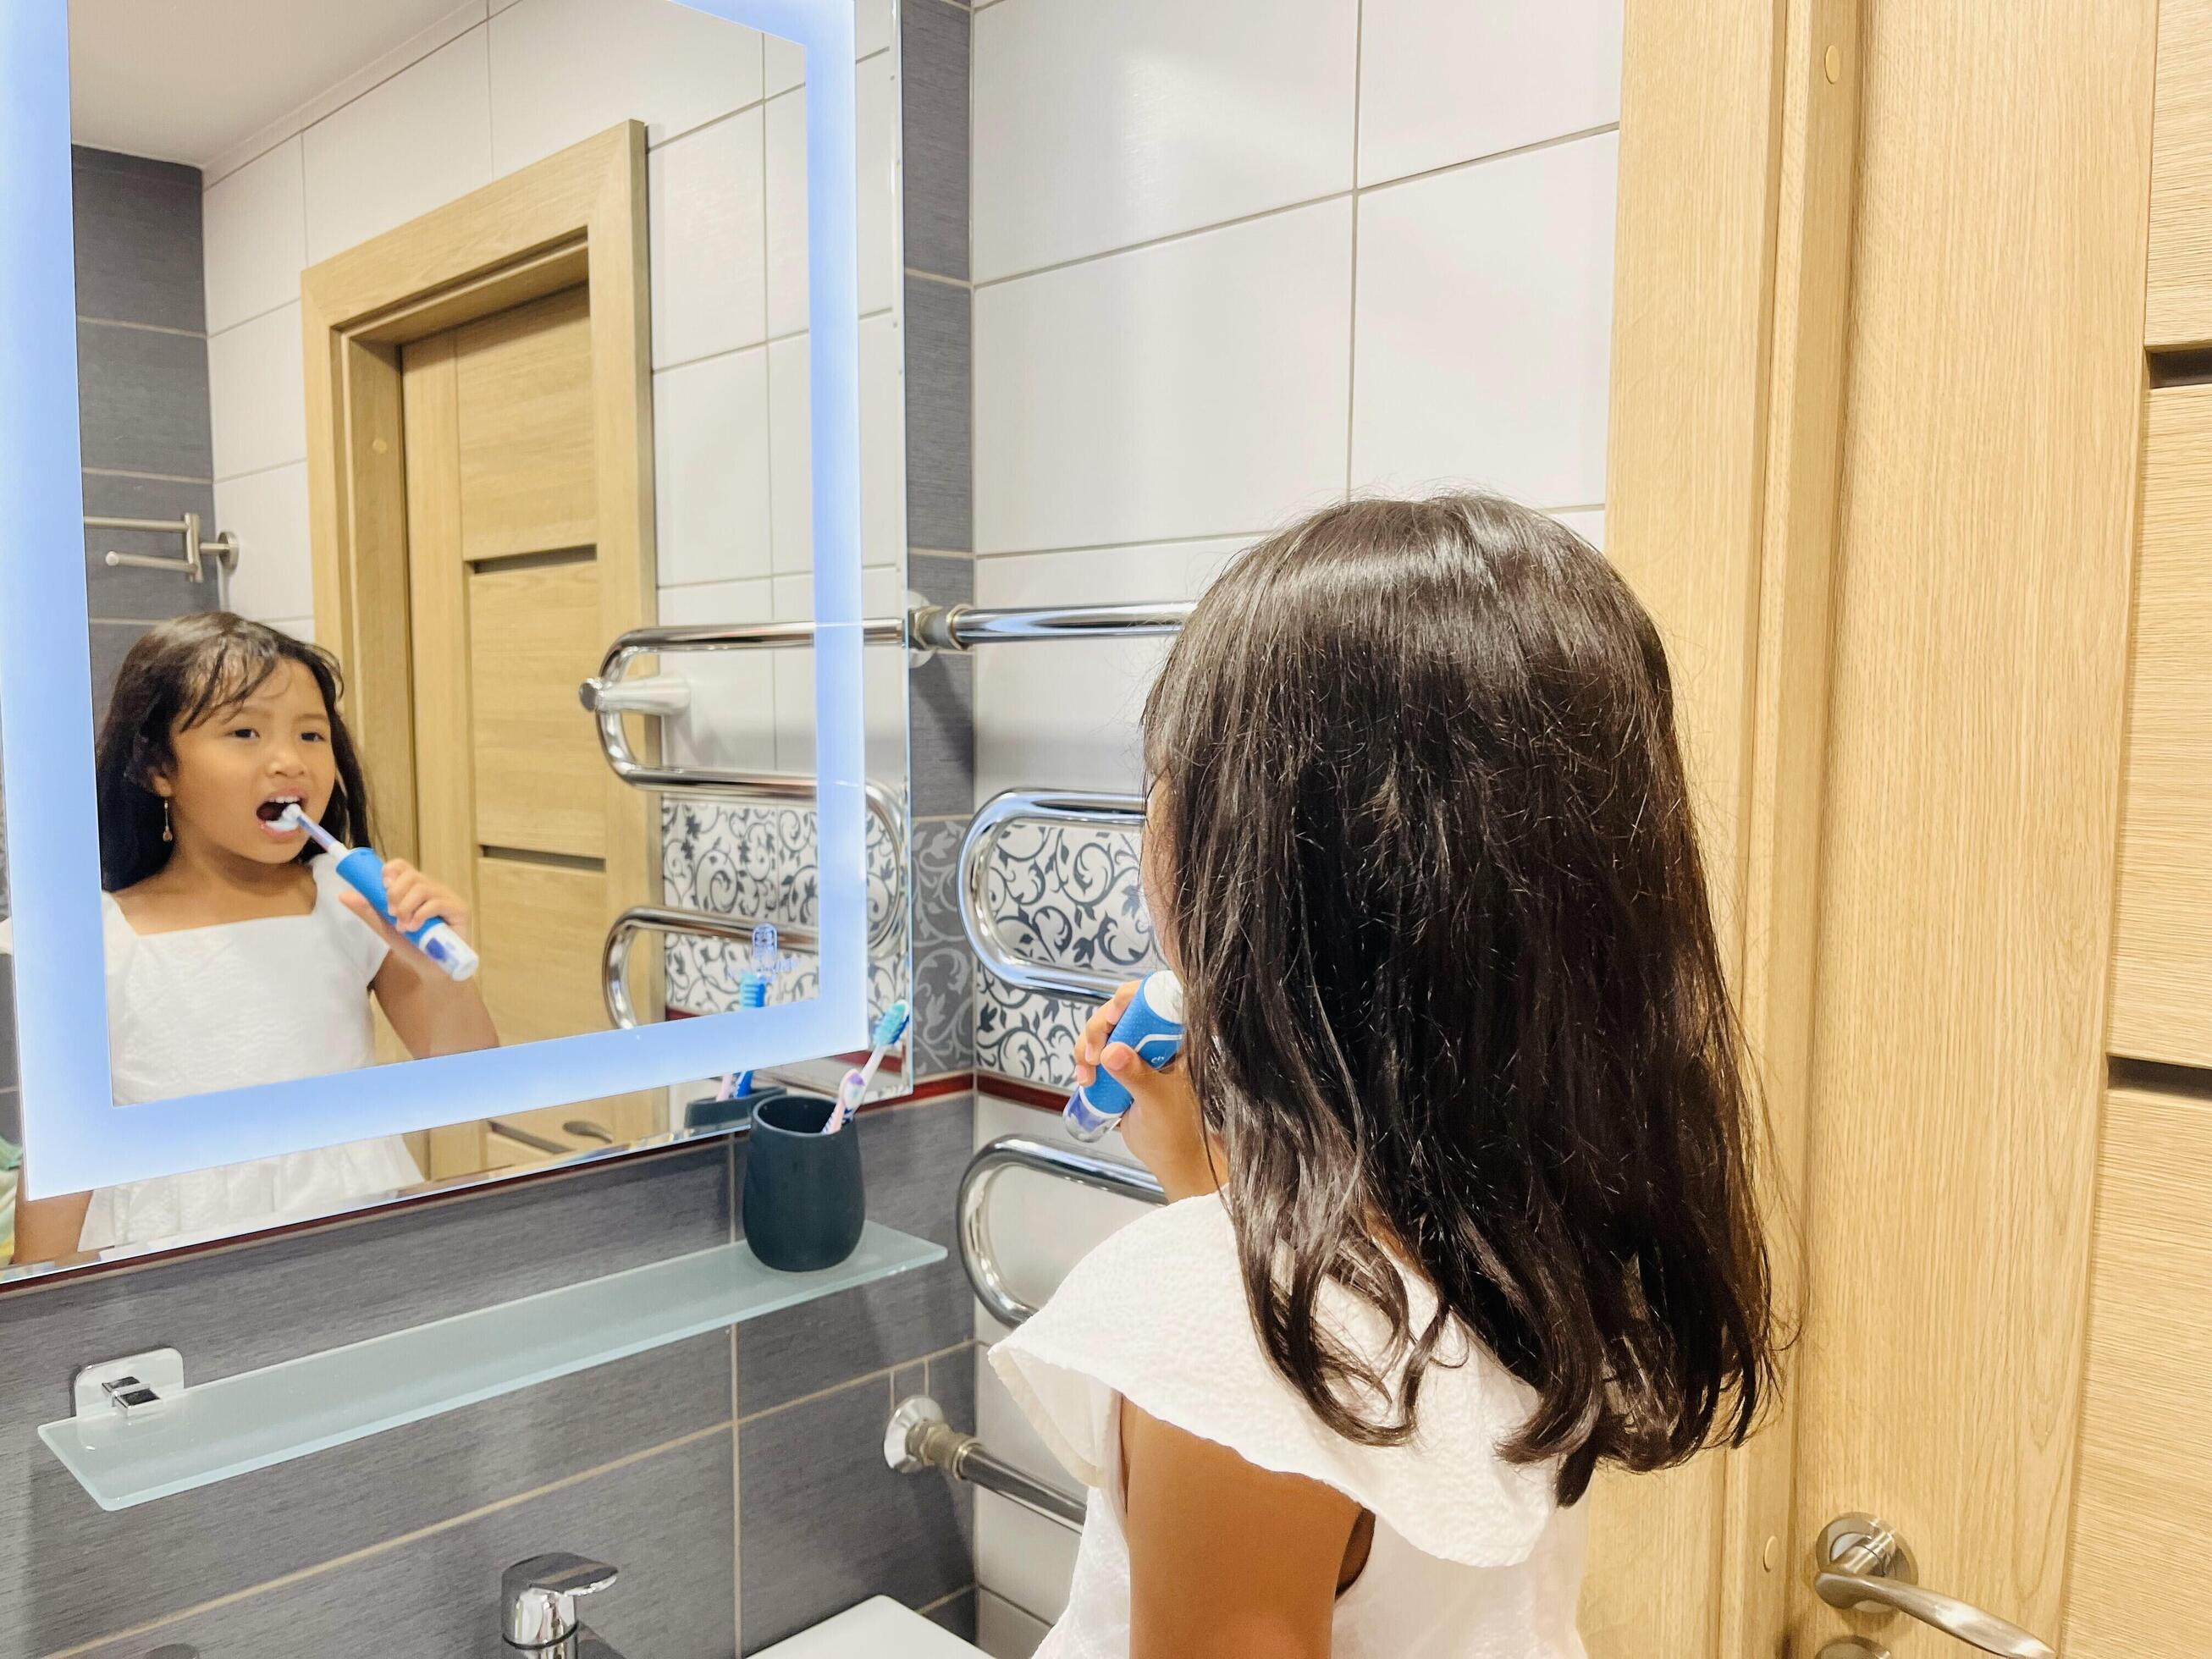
(1473, 1558)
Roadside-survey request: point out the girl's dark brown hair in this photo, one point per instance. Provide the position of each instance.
(179, 673)
(1453, 989)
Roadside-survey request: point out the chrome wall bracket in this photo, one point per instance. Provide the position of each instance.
(135, 1386)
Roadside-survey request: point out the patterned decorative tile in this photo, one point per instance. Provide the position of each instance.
(761, 863)
(944, 967)
(1070, 898)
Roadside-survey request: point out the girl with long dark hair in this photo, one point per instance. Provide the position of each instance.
(1458, 1145)
(235, 954)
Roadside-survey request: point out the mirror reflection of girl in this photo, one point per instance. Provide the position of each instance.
(1458, 1144)
(236, 954)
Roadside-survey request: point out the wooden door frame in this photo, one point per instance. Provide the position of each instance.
(1737, 197)
(578, 216)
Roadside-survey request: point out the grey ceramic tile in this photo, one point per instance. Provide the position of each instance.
(942, 578)
(137, 237)
(940, 433)
(84, 1572)
(958, 1614)
(944, 965)
(142, 595)
(823, 1523)
(11, 1116)
(142, 401)
(110, 643)
(910, 1379)
(665, 1522)
(912, 1158)
(250, 1306)
(933, 83)
(941, 735)
(951, 1384)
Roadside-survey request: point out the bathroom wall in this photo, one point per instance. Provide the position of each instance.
(1231, 261)
(143, 423)
(498, 86)
(736, 1479)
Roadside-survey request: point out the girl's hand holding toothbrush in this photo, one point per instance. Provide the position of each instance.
(1164, 1128)
(414, 898)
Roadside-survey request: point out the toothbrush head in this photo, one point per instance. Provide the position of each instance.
(292, 817)
(892, 1025)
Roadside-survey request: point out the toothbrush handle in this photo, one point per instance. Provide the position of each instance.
(363, 872)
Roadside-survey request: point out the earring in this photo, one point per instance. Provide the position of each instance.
(167, 834)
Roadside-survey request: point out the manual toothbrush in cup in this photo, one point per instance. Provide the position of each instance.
(888, 1029)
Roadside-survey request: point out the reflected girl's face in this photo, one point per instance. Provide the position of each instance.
(238, 769)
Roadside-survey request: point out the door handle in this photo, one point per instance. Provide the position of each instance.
(1865, 1567)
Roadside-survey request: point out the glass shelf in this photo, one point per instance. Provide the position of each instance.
(257, 1418)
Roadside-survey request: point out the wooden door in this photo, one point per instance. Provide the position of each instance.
(1912, 457)
(511, 607)
(481, 486)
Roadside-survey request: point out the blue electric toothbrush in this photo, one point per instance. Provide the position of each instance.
(363, 871)
(888, 1029)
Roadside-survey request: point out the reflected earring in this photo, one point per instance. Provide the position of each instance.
(167, 834)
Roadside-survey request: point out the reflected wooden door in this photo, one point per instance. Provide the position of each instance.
(481, 484)
(512, 607)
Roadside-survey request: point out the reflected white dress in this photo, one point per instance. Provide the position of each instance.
(1473, 1558)
(269, 1000)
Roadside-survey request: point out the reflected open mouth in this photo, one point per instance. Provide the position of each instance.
(273, 809)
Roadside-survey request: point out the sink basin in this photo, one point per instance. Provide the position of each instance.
(879, 1628)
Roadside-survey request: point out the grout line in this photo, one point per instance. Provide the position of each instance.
(942, 1601)
(1356, 191)
(385, 1545)
(267, 311)
(148, 477)
(921, 276)
(767, 1411)
(940, 553)
(142, 328)
(255, 471)
(1142, 541)
(710, 356)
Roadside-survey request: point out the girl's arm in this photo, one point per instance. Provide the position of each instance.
(48, 1229)
(432, 1014)
(1226, 1560)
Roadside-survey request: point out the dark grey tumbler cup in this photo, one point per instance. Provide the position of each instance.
(803, 1203)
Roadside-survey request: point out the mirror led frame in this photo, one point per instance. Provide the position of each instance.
(74, 1136)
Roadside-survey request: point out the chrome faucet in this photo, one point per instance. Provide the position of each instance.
(537, 1607)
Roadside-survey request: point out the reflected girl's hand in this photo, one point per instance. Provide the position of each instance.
(414, 898)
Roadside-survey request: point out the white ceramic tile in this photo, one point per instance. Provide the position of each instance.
(732, 721)
(257, 393)
(1041, 1227)
(1442, 81)
(783, 65)
(786, 214)
(882, 679)
(1063, 714)
(413, 144)
(876, 144)
(790, 449)
(1484, 332)
(785, 61)
(299, 627)
(707, 225)
(563, 69)
(268, 514)
(710, 466)
(1098, 126)
(883, 442)
(1003, 1631)
(1023, 1557)
(1590, 526)
(1197, 387)
(254, 234)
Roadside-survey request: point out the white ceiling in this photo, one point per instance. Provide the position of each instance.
(190, 80)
